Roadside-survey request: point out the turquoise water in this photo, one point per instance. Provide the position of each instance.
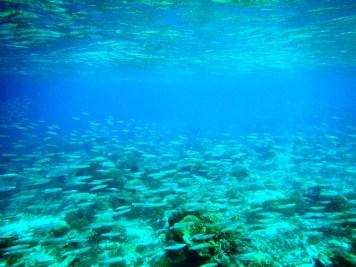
(178, 133)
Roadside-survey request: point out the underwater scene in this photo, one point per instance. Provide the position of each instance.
(178, 133)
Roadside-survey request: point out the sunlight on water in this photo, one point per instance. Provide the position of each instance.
(218, 36)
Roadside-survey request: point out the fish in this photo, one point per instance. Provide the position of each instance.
(7, 188)
(113, 260)
(175, 247)
(210, 264)
(202, 237)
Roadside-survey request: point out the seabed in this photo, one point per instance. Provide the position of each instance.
(129, 193)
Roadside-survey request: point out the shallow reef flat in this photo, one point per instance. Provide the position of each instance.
(129, 193)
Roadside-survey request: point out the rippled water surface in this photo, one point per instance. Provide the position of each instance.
(216, 35)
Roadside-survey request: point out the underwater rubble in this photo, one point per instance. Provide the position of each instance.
(128, 193)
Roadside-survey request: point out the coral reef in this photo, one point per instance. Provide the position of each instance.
(195, 239)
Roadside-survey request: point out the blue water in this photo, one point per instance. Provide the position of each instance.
(283, 101)
(177, 133)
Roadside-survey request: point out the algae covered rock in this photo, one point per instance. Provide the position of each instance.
(194, 239)
(240, 172)
(79, 219)
(343, 259)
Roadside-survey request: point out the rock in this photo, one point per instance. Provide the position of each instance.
(343, 259)
(200, 239)
(239, 172)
